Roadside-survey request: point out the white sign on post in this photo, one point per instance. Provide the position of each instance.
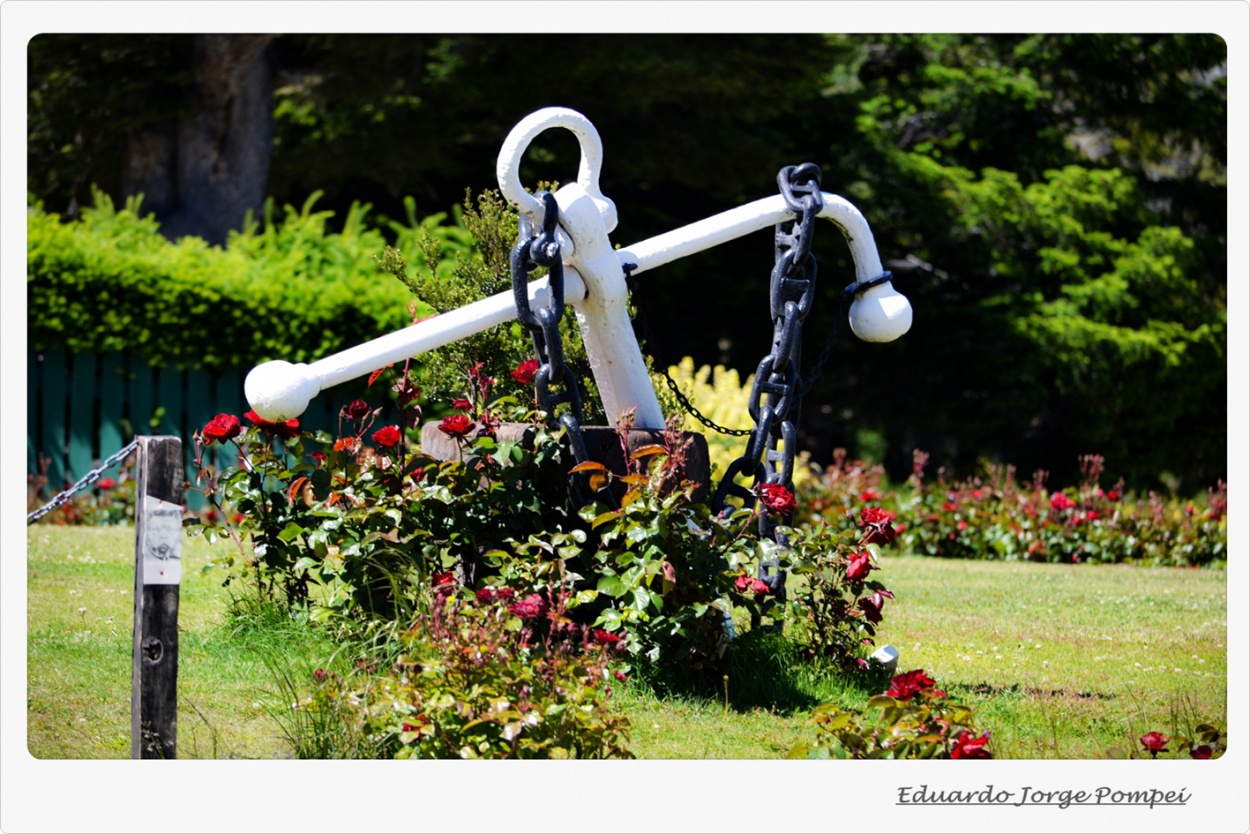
(160, 540)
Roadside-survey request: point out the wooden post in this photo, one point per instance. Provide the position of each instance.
(158, 570)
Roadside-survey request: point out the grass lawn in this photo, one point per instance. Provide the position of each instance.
(1059, 661)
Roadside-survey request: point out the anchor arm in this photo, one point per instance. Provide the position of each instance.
(880, 314)
(279, 390)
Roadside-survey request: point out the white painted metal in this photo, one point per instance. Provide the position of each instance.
(280, 390)
(881, 314)
(594, 285)
(587, 217)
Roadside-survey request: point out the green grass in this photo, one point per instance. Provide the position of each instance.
(1058, 661)
(80, 613)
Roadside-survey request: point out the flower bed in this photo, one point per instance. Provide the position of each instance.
(995, 516)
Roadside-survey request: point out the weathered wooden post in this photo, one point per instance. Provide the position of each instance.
(158, 572)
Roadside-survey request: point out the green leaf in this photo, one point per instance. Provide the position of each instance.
(611, 586)
(291, 532)
(604, 518)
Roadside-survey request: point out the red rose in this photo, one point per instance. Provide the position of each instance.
(967, 747)
(1059, 501)
(876, 522)
(461, 404)
(457, 425)
(742, 583)
(905, 686)
(760, 587)
(776, 498)
(530, 607)
(871, 608)
(485, 595)
(1156, 743)
(526, 371)
(1203, 752)
(868, 495)
(106, 483)
(387, 436)
(356, 409)
(605, 638)
(221, 428)
(444, 577)
(319, 457)
(286, 430)
(1113, 495)
(505, 594)
(861, 564)
(319, 676)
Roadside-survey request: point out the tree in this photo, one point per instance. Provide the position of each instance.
(1054, 205)
(1069, 292)
(184, 120)
(202, 173)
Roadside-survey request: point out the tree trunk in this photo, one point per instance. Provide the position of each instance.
(201, 174)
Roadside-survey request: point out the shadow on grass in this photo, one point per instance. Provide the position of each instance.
(990, 690)
(765, 669)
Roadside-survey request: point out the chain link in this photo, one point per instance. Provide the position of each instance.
(543, 250)
(84, 482)
(776, 394)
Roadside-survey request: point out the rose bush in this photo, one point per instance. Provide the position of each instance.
(994, 516)
(916, 721)
(468, 680)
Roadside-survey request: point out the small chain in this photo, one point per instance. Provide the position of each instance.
(84, 482)
(645, 336)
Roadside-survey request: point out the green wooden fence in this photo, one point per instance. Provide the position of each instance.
(82, 407)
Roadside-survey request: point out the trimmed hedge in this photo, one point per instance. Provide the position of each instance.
(282, 289)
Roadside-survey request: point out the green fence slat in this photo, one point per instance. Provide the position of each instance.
(199, 411)
(141, 395)
(228, 399)
(33, 394)
(55, 386)
(81, 439)
(55, 409)
(169, 401)
(113, 384)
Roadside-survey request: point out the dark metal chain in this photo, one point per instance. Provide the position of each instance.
(543, 250)
(84, 482)
(776, 394)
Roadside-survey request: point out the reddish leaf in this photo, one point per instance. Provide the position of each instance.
(296, 486)
(374, 376)
(646, 451)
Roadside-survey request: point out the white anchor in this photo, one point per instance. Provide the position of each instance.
(595, 285)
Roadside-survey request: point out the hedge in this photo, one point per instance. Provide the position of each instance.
(289, 288)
